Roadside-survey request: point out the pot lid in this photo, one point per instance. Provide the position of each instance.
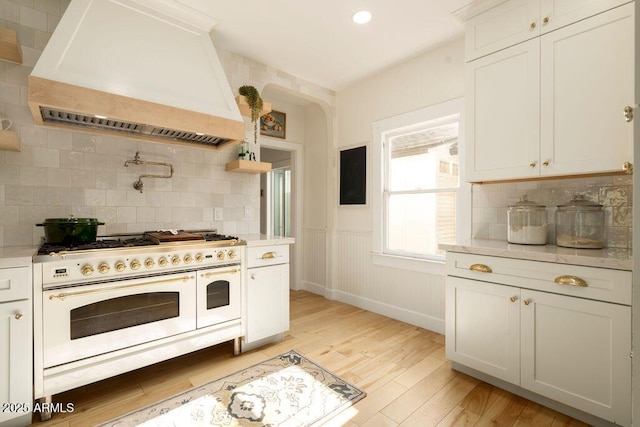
(525, 203)
(578, 201)
(72, 220)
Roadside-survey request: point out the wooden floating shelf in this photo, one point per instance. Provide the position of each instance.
(247, 166)
(9, 141)
(244, 106)
(9, 47)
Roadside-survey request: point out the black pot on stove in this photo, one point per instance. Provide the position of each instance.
(70, 231)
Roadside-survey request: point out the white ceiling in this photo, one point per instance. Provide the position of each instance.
(318, 42)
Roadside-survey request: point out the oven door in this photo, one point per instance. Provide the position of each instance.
(219, 296)
(88, 320)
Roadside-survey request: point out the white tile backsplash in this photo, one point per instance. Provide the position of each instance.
(491, 202)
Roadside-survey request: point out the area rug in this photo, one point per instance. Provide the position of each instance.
(288, 390)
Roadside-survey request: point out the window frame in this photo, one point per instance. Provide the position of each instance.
(402, 123)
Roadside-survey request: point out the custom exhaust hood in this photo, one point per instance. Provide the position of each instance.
(138, 68)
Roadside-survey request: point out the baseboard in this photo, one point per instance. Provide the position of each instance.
(313, 288)
(408, 316)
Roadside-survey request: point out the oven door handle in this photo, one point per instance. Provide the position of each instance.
(215, 273)
(61, 296)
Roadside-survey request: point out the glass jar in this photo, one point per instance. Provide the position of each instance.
(580, 224)
(527, 223)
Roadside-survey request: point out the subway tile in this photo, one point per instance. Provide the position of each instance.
(614, 196)
(32, 176)
(126, 214)
(10, 93)
(18, 235)
(95, 197)
(50, 7)
(31, 215)
(145, 214)
(83, 178)
(18, 195)
(59, 139)
(33, 18)
(58, 177)
(46, 157)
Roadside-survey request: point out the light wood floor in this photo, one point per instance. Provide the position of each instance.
(402, 368)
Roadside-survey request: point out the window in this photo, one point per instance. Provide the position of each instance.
(419, 189)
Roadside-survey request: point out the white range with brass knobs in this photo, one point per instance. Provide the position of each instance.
(556, 330)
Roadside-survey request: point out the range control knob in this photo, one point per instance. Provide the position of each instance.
(231, 254)
(187, 259)
(199, 258)
(175, 260)
(120, 266)
(149, 263)
(104, 268)
(135, 264)
(162, 262)
(220, 255)
(86, 270)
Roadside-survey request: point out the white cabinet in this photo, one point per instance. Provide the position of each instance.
(518, 324)
(515, 21)
(553, 105)
(503, 114)
(16, 347)
(267, 291)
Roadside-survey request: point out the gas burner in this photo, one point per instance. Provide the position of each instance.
(48, 248)
(211, 237)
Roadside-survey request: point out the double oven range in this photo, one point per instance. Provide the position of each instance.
(129, 301)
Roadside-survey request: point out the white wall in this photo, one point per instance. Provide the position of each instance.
(349, 273)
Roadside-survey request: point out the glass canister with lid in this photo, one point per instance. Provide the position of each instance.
(580, 224)
(527, 223)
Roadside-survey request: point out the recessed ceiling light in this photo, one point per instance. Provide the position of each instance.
(361, 17)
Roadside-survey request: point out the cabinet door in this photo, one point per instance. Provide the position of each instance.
(503, 114)
(555, 14)
(577, 351)
(504, 25)
(267, 301)
(483, 327)
(587, 80)
(15, 356)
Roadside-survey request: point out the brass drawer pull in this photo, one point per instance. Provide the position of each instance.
(268, 255)
(481, 268)
(571, 281)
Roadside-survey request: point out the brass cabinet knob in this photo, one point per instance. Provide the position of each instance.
(532, 25)
(628, 113)
(481, 268)
(120, 266)
(103, 268)
(268, 255)
(148, 263)
(187, 259)
(135, 264)
(532, 165)
(627, 167)
(526, 302)
(546, 163)
(86, 270)
(199, 258)
(513, 299)
(175, 260)
(545, 20)
(19, 316)
(220, 255)
(571, 281)
(162, 262)
(231, 254)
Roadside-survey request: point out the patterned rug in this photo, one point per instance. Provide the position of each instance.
(287, 391)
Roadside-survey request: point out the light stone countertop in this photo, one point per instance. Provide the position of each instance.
(266, 240)
(16, 256)
(614, 258)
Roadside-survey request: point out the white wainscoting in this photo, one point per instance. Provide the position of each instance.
(413, 297)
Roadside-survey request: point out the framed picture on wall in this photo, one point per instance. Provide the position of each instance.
(274, 124)
(353, 176)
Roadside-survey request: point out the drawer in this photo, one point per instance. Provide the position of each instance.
(600, 284)
(15, 283)
(260, 256)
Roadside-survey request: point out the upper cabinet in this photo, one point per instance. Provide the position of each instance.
(516, 21)
(549, 101)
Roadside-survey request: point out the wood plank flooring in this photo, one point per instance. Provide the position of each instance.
(402, 368)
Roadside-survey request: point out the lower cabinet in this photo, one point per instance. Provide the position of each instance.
(267, 292)
(576, 351)
(16, 347)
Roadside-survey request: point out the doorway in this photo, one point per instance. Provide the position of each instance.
(280, 201)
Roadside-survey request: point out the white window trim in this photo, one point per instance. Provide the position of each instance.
(463, 212)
